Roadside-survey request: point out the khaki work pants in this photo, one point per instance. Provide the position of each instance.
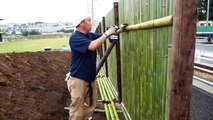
(79, 107)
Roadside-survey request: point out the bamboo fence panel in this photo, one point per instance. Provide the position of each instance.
(112, 57)
(145, 59)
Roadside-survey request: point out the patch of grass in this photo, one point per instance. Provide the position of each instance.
(33, 45)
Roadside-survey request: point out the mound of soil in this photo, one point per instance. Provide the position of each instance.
(32, 85)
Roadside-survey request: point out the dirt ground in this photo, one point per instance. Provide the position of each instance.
(32, 86)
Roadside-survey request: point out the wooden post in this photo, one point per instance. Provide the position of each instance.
(105, 47)
(101, 48)
(118, 53)
(183, 48)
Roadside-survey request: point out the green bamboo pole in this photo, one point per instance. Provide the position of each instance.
(124, 112)
(109, 90)
(112, 117)
(104, 91)
(109, 106)
(111, 97)
(107, 111)
(140, 80)
(152, 40)
(155, 62)
(100, 89)
(115, 111)
(161, 22)
(143, 76)
(161, 53)
(100, 110)
(166, 80)
(157, 72)
(112, 88)
(149, 41)
(110, 111)
(145, 56)
(103, 94)
(104, 97)
(109, 93)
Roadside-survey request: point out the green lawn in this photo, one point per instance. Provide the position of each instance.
(33, 45)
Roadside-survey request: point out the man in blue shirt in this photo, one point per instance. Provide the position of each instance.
(81, 84)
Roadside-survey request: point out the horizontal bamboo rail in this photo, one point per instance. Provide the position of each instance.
(161, 22)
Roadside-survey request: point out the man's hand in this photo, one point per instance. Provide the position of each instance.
(111, 31)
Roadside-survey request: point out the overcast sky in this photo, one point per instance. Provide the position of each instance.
(22, 11)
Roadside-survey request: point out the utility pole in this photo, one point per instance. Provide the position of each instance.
(207, 16)
(92, 15)
(90, 9)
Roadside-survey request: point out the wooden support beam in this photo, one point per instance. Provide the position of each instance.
(183, 48)
(104, 57)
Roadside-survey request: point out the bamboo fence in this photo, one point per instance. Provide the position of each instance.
(146, 57)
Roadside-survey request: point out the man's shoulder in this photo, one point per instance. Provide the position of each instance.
(76, 35)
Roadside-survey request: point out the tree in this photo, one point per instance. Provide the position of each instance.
(24, 33)
(202, 10)
(211, 10)
(65, 31)
(32, 32)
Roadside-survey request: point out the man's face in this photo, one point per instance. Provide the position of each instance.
(86, 24)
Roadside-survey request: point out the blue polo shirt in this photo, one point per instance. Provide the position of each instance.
(83, 61)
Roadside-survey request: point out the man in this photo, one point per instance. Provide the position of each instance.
(81, 84)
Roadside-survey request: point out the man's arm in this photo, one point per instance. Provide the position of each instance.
(98, 42)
